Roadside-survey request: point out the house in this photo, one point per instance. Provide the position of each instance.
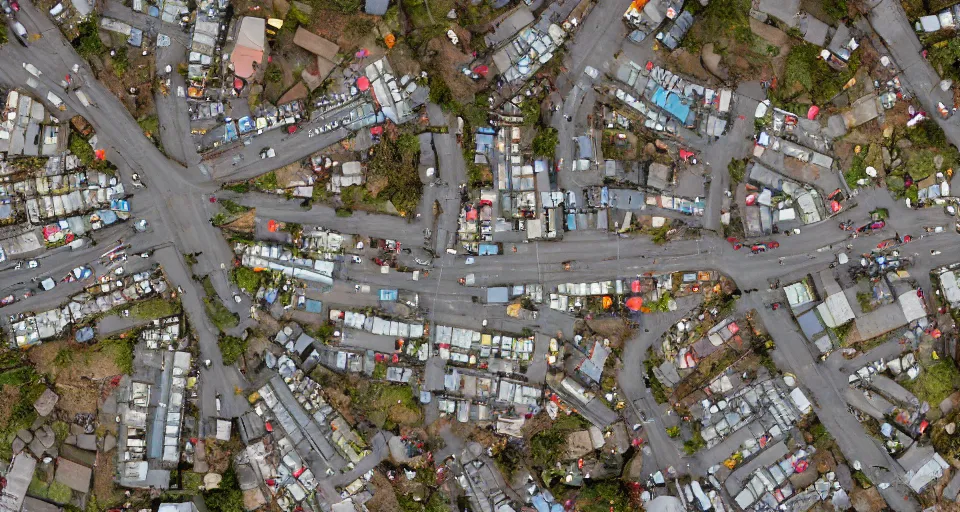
(325, 51)
(247, 54)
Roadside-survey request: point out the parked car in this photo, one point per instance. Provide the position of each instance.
(267, 153)
(21, 32)
(292, 128)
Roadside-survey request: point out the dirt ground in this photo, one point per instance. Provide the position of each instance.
(104, 489)
(9, 395)
(384, 498)
(245, 223)
(218, 454)
(613, 328)
(78, 381)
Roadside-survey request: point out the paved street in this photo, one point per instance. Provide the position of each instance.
(179, 185)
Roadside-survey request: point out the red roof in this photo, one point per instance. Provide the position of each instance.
(363, 83)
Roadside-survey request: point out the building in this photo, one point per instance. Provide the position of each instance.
(247, 54)
(325, 51)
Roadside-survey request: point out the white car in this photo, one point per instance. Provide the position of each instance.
(33, 264)
(591, 72)
(237, 298)
(470, 260)
(357, 259)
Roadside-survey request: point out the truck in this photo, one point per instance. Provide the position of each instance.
(83, 99)
(32, 69)
(56, 101)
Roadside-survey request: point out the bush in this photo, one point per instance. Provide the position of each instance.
(248, 280)
(227, 497)
(737, 170)
(88, 43)
(344, 212)
(927, 133)
(155, 308)
(233, 207)
(232, 349)
(273, 73)
(267, 182)
(240, 188)
(673, 431)
(545, 143)
(222, 318)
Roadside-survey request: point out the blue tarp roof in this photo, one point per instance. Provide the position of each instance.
(313, 306)
(107, 216)
(245, 123)
(230, 132)
(85, 334)
(571, 222)
(270, 296)
(488, 250)
(671, 103)
(120, 204)
(388, 295)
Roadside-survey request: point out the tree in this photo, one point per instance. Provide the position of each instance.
(88, 43)
(227, 497)
(232, 348)
(545, 143)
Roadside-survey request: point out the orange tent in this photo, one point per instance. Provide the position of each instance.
(607, 302)
(272, 226)
(634, 303)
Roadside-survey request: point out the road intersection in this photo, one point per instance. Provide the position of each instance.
(177, 208)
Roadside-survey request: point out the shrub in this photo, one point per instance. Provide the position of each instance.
(232, 349)
(545, 143)
(248, 280)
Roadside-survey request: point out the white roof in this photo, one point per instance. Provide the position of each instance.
(800, 400)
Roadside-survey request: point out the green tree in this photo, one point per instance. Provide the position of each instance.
(273, 73)
(232, 348)
(88, 43)
(227, 497)
(545, 143)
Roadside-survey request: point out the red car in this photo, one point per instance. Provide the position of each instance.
(292, 128)
(886, 244)
(761, 247)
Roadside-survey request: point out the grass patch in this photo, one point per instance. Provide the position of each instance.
(122, 350)
(232, 348)
(546, 446)
(155, 308)
(386, 406)
(267, 182)
(805, 71)
(545, 143)
(222, 318)
(248, 280)
(233, 207)
(394, 164)
(935, 382)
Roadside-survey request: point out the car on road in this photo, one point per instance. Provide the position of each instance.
(591, 72)
(267, 153)
(33, 264)
(144, 254)
(950, 210)
(764, 246)
(470, 260)
(422, 261)
(21, 32)
(357, 259)
(237, 298)
(292, 128)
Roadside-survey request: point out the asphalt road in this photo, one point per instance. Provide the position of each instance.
(177, 207)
